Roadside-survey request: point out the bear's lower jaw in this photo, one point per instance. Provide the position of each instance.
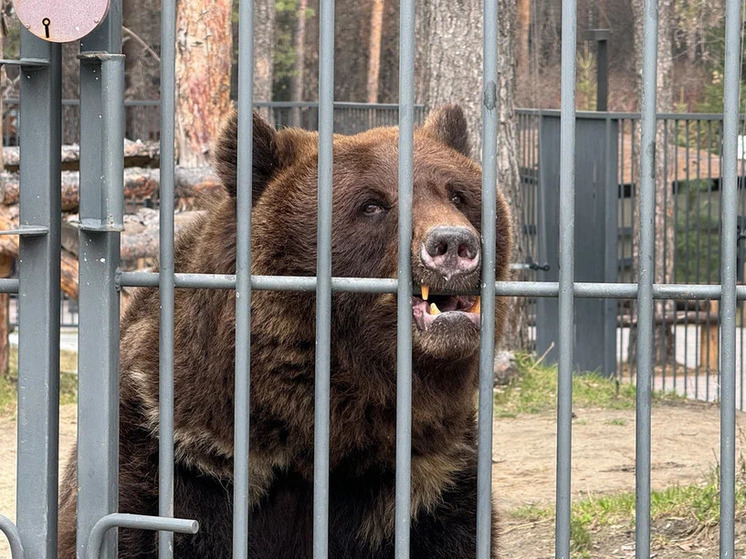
(446, 327)
(445, 310)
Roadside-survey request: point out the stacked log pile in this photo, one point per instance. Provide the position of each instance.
(139, 240)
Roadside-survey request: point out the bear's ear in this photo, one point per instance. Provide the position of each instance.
(447, 124)
(265, 155)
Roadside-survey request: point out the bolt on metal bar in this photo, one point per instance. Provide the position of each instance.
(323, 283)
(166, 278)
(566, 278)
(645, 278)
(731, 90)
(39, 300)
(137, 522)
(101, 214)
(243, 280)
(487, 292)
(404, 290)
(14, 538)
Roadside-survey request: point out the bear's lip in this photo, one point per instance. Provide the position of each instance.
(440, 308)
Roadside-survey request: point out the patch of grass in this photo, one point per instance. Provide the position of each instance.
(535, 390)
(700, 502)
(68, 381)
(619, 422)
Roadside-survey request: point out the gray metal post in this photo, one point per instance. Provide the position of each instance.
(729, 203)
(166, 278)
(323, 285)
(645, 278)
(243, 280)
(39, 298)
(404, 276)
(489, 239)
(101, 208)
(566, 279)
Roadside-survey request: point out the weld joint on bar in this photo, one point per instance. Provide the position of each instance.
(490, 95)
(98, 56)
(137, 521)
(14, 538)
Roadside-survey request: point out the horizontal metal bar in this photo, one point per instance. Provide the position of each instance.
(599, 115)
(76, 102)
(585, 290)
(8, 285)
(337, 104)
(24, 62)
(14, 538)
(27, 231)
(139, 522)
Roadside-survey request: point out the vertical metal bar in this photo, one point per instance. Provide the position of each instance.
(666, 256)
(166, 279)
(404, 289)
(731, 87)
(243, 279)
(39, 300)
(102, 92)
(646, 271)
(101, 209)
(487, 331)
(324, 283)
(676, 193)
(566, 279)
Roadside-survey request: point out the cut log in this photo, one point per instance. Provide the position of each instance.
(139, 184)
(136, 154)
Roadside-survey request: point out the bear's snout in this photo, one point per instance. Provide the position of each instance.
(450, 251)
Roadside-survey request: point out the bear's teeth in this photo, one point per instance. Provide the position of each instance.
(425, 292)
(434, 310)
(476, 307)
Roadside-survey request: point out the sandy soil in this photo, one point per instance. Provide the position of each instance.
(685, 449)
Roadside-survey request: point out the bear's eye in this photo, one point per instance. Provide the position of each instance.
(373, 208)
(456, 199)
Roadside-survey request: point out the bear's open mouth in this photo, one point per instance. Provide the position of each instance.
(429, 308)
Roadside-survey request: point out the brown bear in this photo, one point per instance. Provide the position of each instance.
(445, 259)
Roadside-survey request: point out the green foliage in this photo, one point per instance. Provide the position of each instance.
(697, 235)
(586, 86)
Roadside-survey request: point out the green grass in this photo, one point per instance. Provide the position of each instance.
(68, 381)
(700, 502)
(535, 391)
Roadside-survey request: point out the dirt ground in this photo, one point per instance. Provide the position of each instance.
(685, 449)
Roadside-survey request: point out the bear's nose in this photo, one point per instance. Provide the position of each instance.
(450, 251)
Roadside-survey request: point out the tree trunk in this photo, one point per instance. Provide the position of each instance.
(451, 74)
(203, 67)
(374, 50)
(300, 52)
(664, 217)
(264, 47)
(523, 23)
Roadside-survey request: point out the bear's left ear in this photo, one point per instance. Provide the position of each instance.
(265, 155)
(447, 124)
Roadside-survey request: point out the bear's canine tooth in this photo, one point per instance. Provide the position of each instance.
(434, 310)
(476, 307)
(425, 291)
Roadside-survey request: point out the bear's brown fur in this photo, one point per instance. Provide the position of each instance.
(447, 192)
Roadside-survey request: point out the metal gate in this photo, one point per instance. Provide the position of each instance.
(102, 106)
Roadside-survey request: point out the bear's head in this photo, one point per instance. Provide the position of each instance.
(446, 220)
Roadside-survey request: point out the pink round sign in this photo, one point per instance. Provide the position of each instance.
(61, 21)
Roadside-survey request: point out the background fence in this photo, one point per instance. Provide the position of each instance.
(689, 236)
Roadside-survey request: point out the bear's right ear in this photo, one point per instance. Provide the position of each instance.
(265, 155)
